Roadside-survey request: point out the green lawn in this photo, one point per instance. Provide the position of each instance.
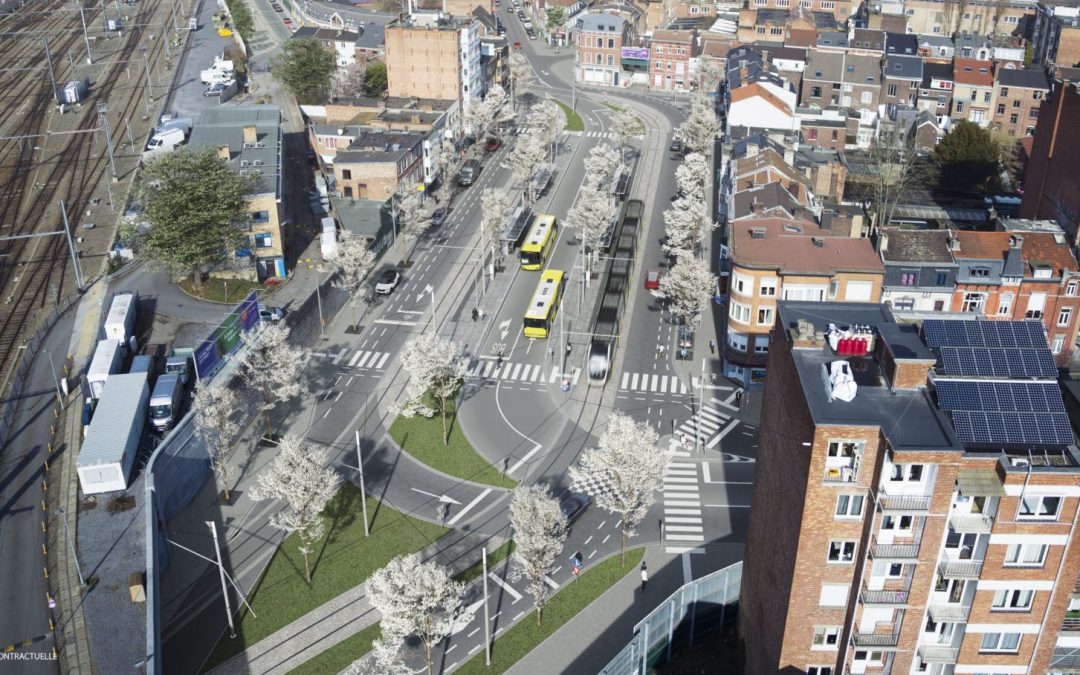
(421, 437)
(514, 644)
(573, 120)
(338, 657)
(224, 290)
(343, 559)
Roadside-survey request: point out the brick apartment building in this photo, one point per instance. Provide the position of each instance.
(973, 91)
(670, 55)
(1017, 97)
(599, 39)
(911, 512)
(1052, 184)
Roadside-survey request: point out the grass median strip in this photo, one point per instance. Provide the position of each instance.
(338, 657)
(573, 120)
(514, 644)
(421, 437)
(342, 560)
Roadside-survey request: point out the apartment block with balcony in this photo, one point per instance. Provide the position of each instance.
(910, 513)
(787, 259)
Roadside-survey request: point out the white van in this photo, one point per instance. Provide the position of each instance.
(165, 401)
(163, 142)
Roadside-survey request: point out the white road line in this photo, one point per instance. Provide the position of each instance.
(474, 650)
(679, 471)
(692, 550)
(390, 322)
(550, 582)
(473, 632)
(590, 556)
(685, 528)
(469, 507)
(586, 542)
(625, 379)
(528, 455)
(721, 435)
(663, 384)
(488, 368)
(683, 488)
(355, 357)
(527, 371)
(554, 374)
(686, 575)
(684, 512)
(451, 648)
(680, 479)
(672, 502)
(385, 356)
(538, 374)
(505, 586)
(338, 396)
(726, 404)
(513, 376)
(327, 412)
(634, 381)
(364, 361)
(686, 537)
(341, 355)
(577, 374)
(680, 519)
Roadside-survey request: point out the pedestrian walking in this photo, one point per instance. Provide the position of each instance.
(644, 576)
(682, 440)
(738, 399)
(475, 314)
(658, 352)
(712, 346)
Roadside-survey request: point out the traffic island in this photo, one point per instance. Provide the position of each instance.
(224, 291)
(422, 438)
(523, 637)
(573, 120)
(342, 560)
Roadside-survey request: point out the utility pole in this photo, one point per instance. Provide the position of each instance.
(103, 115)
(487, 619)
(360, 466)
(74, 555)
(146, 69)
(71, 248)
(221, 571)
(318, 299)
(52, 72)
(86, 38)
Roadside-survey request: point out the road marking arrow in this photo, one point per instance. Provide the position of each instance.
(504, 328)
(442, 498)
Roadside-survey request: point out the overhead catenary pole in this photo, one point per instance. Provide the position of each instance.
(487, 619)
(221, 571)
(86, 38)
(52, 72)
(103, 115)
(360, 467)
(71, 247)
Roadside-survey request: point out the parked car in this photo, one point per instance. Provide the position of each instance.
(517, 45)
(216, 89)
(277, 7)
(492, 144)
(652, 280)
(676, 145)
(573, 504)
(531, 33)
(686, 343)
(271, 314)
(387, 281)
(438, 217)
(287, 21)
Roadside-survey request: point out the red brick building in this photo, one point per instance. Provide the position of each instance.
(1052, 183)
(1017, 97)
(670, 52)
(892, 530)
(1014, 275)
(598, 40)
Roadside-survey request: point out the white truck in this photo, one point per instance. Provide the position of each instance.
(120, 321)
(170, 134)
(107, 357)
(112, 442)
(222, 71)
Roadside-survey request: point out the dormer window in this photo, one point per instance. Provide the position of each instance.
(1044, 273)
(980, 272)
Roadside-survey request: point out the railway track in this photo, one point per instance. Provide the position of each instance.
(40, 165)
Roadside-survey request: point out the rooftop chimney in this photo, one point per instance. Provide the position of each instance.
(223, 152)
(249, 134)
(1016, 241)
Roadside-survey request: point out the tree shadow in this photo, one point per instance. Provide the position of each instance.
(341, 512)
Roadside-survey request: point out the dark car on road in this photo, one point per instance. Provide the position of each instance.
(438, 216)
(676, 145)
(492, 144)
(573, 504)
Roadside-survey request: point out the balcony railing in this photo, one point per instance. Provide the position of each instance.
(949, 612)
(896, 551)
(939, 654)
(977, 523)
(917, 503)
(961, 569)
(889, 598)
(876, 639)
(841, 474)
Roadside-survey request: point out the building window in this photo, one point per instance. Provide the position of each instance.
(611, 43)
(765, 316)
(895, 571)
(741, 284)
(973, 302)
(1064, 317)
(1040, 507)
(1025, 555)
(959, 106)
(908, 278)
(264, 240)
(761, 347)
(1000, 642)
(849, 506)
(260, 216)
(1001, 109)
(1072, 287)
(825, 637)
(739, 312)
(1004, 92)
(815, 91)
(1058, 344)
(768, 288)
(811, 134)
(941, 278)
(1005, 304)
(833, 286)
(910, 473)
(346, 174)
(1033, 113)
(610, 59)
(867, 97)
(892, 90)
(1013, 601)
(1013, 119)
(819, 670)
(737, 341)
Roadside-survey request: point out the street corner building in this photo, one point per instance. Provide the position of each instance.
(916, 500)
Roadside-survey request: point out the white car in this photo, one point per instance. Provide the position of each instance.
(387, 282)
(270, 314)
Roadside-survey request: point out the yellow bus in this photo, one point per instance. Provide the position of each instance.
(544, 304)
(538, 244)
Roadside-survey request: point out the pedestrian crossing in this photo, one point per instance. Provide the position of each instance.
(363, 359)
(488, 369)
(708, 424)
(657, 384)
(684, 527)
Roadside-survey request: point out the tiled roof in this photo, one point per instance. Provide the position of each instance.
(754, 89)
(917, 246)
(789, 245)
(901, 43)
(973, 72)
(1028, 78)
(680, 36)
(1038, 247)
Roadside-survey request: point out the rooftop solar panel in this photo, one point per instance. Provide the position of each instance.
(998, 362)
(1012, 428)
(989, 396)
(969, 333)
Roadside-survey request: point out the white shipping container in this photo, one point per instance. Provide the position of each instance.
(108, 453)
(328, 239)
(106, 361)
(120, 321)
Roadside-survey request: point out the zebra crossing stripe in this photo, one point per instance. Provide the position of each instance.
(681, 519)
(538, 373)
(385, 356)
(527, 372)
(684, 512)
(684, 528)
(718, 417)
(686, 537)
(355, 358)
(554, 375)
(634, 381)
(663, 385)
(577, 374)
(680, 479)
(488, 366)
(625, 379)
(513, 376)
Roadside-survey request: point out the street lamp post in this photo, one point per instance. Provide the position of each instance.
(74, 555)
(56, 380)
(221, 570)
(360, 467)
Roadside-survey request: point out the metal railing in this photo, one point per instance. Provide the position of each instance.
(698, 607)
(939, 654)
(876, 639)
(949, 612)
(917, 503)
(883, 597)
(978, 523)
(905, 551)
(961, 569)
(841, 474)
